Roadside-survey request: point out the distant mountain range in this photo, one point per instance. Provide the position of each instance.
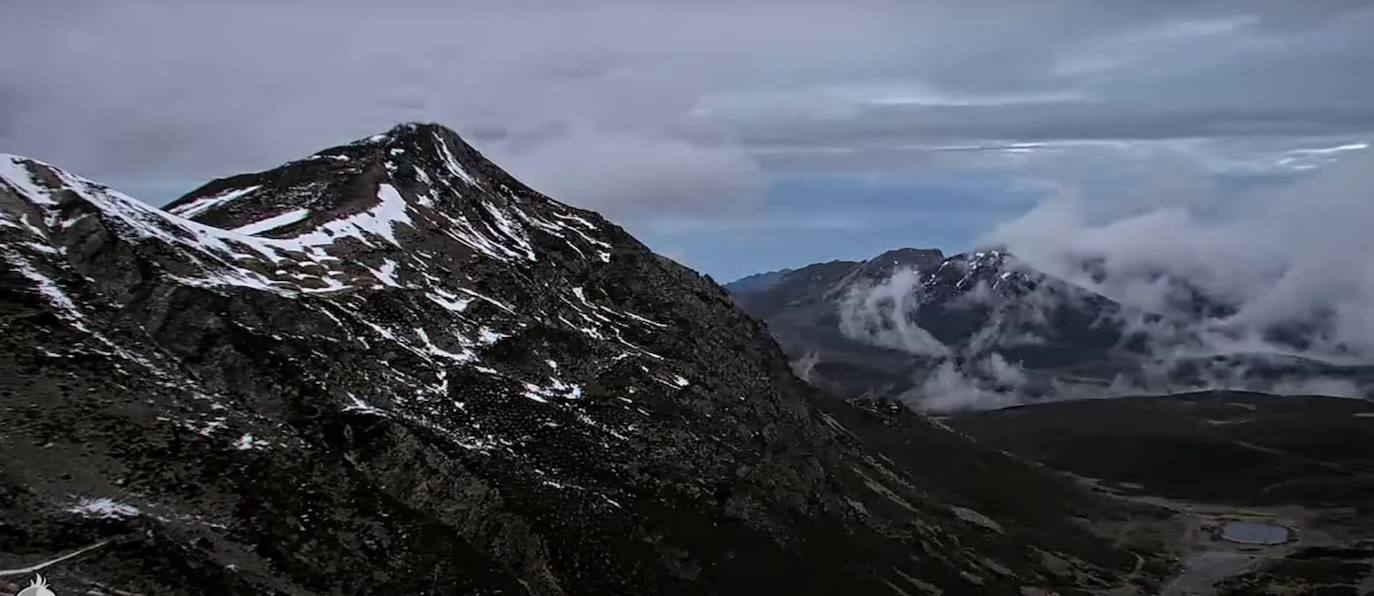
(986, 329)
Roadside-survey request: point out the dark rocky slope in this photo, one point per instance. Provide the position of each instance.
(392, 368)
(1244, 449)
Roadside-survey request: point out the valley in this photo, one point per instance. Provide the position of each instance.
(1271, 494)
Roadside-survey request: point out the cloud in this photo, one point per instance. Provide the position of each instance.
(629, 176)
(174, 90)
(595, 104)
(883, 314)
(993, 382)
(949, 389)
(658, 111)
(1274, 257)
(1319, 386)
(1122, 50)
(1264, 289)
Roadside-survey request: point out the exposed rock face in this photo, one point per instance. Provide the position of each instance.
(392, 368)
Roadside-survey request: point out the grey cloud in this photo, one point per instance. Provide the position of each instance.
(881, 314)
(629, 176)
(175, 90)
(1281, 270)
(1292, 254)
(949, 388)
(9, 106)
(186, 90)
(893, 126)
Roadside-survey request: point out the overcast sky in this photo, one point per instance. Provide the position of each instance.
(735, 136)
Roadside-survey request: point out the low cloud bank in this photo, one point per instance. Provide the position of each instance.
(1282, 271)
(1271, 290)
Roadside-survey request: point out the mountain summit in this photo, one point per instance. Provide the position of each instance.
(390, 367)
(442, 173)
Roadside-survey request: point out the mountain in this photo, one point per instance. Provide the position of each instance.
(767, 294)
(873, 327)
(986, 329)
(390, 367)
(884, 266)
(756, 282)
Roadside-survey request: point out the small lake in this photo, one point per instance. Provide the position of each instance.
(1254, 533)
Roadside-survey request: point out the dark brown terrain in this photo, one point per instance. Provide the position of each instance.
(1304, 464)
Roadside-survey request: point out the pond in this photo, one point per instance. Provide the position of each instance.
(1254, 533)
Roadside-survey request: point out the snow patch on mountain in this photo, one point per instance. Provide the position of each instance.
(274, 222)
(103, 508)
(206, 203)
